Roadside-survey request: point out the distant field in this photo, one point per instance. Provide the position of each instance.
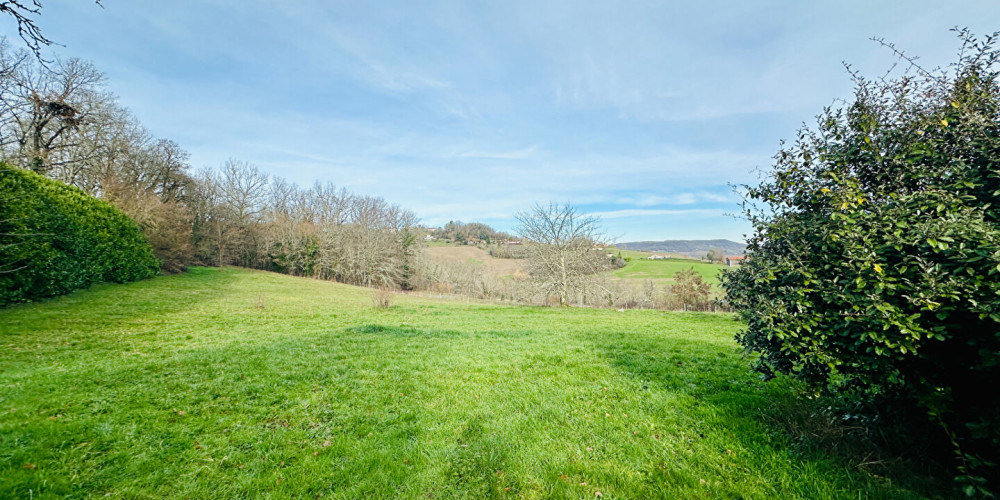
(664, 270)
(634, 254)
(239, 384)
(439, 243)
(465, 254)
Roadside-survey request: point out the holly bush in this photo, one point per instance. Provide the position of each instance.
(55, 238)
(873, 272)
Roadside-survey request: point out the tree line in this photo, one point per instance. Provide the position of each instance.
(470, 233)
(60, 120)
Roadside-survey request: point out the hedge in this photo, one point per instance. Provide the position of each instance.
(55, 238)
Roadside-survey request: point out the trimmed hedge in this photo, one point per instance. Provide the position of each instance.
(55, 238)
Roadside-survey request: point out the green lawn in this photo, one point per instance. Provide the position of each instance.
(664, 270)
(232, 383)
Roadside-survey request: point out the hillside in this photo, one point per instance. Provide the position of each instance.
(690, 248)
(233, 384)
(474, 256)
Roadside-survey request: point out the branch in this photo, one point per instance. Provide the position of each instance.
(23, 12)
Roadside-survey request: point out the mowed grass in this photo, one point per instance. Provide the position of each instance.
(664, 270)
(240, 384)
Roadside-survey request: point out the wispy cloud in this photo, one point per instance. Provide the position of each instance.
(635, 212)
(475, 110)
(687, 198)
(518, 154)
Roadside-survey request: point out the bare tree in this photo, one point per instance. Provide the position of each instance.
(243, 189)
(373, 245)
(167, 163)
(211, 224)
(47, 108)
(561, 244)
(165, 223)
(716, 255)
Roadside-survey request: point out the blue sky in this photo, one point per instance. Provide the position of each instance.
(643, 113)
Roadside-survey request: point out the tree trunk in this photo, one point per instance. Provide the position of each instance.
(564, 297)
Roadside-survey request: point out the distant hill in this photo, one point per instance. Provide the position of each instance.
(691, 248)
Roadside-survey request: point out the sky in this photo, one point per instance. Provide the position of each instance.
(646, 114)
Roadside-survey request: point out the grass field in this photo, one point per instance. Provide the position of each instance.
(663, 271)
(232, 383)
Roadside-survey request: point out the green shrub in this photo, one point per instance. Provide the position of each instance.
(55, 238)
(874, 270)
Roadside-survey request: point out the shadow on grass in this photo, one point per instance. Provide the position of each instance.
(410, 332)
(774, 415)
(304, 416)
(236, 419)
(156, 296)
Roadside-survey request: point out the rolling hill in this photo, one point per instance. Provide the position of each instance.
(691, 248)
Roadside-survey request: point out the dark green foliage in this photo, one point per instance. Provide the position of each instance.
(297, 256)
(55, 238)
(408, 250)
(874, 270)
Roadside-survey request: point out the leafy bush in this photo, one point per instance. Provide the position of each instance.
(874, 270)
(55, 238)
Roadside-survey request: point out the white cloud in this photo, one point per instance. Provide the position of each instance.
(635, 212)
(685, 198)
(476, 110)
(518, 154)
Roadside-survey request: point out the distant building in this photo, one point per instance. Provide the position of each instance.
(658, 257)
(735, 261)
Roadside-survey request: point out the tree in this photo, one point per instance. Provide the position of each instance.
(560, 243)
(690, 289)
(716, 255)
(59, 120)
(49, 107)
(229, 208)
(874, 269)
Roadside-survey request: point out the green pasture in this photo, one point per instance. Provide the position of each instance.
(664, 270)
(240, 384)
